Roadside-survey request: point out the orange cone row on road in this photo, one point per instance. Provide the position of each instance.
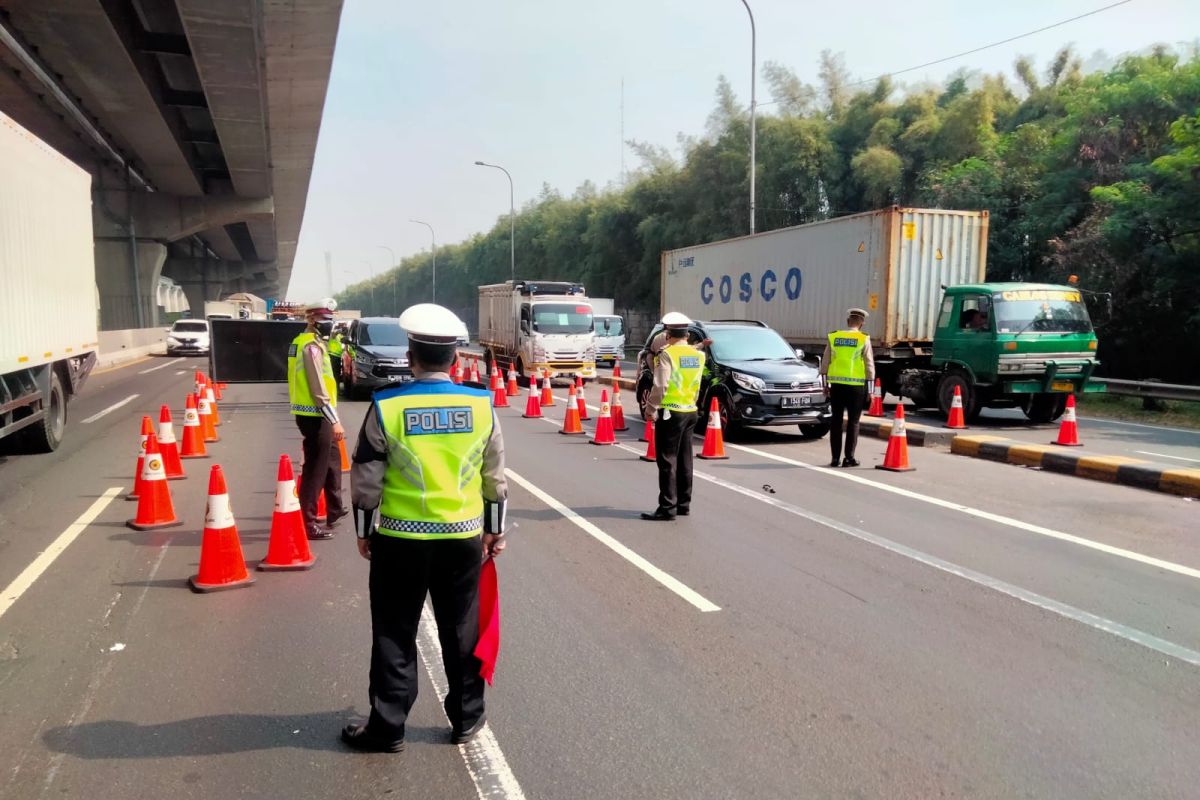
(222, 565)
(288, 548)
(895, 458)
(154, 509)
(1068, 429)
(714, 438)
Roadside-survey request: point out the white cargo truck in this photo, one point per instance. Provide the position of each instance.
(538, 326)
(48, 340)
(610, 331)
(935, 325)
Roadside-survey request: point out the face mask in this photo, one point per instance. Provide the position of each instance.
(325, 328)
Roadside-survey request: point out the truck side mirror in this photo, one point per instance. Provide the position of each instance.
(524, 326)
(799, 354)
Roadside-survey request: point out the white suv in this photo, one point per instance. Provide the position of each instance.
(188, 337)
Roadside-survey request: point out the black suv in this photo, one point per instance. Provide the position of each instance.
(374, 354)
(757, 378)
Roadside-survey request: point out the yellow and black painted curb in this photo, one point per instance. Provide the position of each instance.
(918, 435)
(1071, 461)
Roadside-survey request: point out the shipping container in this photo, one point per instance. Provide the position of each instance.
(48, 305)
(801, 280)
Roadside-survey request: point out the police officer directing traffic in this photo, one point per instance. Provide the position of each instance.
(430, 461)
(678, 371)
(312, 391)
(849, 367)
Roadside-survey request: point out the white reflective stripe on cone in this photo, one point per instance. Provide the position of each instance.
(152, 468)
(142, 446)
(287, 498)
(898, 427)
(166, 433)
(218, 514)
(191, 418)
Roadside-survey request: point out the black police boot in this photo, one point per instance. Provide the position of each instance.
(659, 515)
(849, 461)
(359, 738)
(462, 737)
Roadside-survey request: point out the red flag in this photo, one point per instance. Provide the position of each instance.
(488, 647)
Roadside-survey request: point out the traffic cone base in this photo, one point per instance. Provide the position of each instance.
(1068, 430)
(604, 423)
(222, 565)
(288, 547)
(895, 458)
(155, 509)
(714, 438)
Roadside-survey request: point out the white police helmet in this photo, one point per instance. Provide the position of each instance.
(432, 324)
(674, 319)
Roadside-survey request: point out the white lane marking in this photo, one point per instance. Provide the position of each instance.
(1164, 455)
(110, 409)
(645, 566)
(181, 372)
(1104, 421)
(1024, 595)
(22, 582)
(160, 366)
(489, 770)
(1029, 527)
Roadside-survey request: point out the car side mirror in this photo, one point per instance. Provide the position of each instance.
(799, 354)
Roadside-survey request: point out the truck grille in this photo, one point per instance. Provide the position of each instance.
(1036, 362)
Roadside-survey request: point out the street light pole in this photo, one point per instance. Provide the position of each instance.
(512, 224)
(433, 252)
(753, 108)
(395, 308)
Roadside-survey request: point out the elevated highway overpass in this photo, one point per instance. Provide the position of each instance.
(198, 120)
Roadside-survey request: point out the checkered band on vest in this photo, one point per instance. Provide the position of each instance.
(309, 409)
(414, 526)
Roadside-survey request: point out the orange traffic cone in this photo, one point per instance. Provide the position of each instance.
(500, 398)
(206, 420)
(154, 497)
(618, 413)
(513, 390)
(496, 382)
(571, 417)
(647, 432)
(147, 428)
(455, 373)
(604, 424)
(168, 446)
(547, 391)
(222, 565)
(956, 419)
(651, 453)
(193, 432)
(475, 370)
(533, 409)
(345, 458)
(218, 387)
(616, 370)
(199, 381)
(1068, 431)
(896, 457)
(714, 439)
(212, 404)
(876, 409)
(580, 400)
(288, 548)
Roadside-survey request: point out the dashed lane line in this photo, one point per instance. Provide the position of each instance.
(30, 574)
(489, 770)
(110, 409)
(668, 581)
(160, 366)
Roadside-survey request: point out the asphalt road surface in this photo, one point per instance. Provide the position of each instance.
(969, 629)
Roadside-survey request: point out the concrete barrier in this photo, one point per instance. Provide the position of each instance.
(121, 347)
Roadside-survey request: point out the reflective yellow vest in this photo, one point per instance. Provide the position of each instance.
(301, 397)
(847, 364)
(436, 434)
(687, 369)
(335, 346)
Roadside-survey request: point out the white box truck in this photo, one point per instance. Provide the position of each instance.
(935, 325)
(538, 326)
(48, 309)
(610, 331)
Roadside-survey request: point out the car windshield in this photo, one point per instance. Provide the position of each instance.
(1041, 311)
(191, 327)
(562, 318)
(384, 334)
(749, 344)
(608, 326)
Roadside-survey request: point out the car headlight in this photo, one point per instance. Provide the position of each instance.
(172, 340)
(366, 359)
(749, 382)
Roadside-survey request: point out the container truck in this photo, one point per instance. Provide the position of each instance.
(610, 331)
(538, 327)
(48, 343)
(935, 325)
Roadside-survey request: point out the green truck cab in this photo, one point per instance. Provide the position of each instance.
(1006, 345)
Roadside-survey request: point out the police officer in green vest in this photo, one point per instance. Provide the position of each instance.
(678, 371)
(335, 351)
(429, 496)
(312, 391)
(849, 368)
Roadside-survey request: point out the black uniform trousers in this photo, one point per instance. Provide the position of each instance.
(848, 400)
(673, 448)
(403, 571)
(322, 470)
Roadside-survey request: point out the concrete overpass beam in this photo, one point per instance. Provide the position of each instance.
(128, 294)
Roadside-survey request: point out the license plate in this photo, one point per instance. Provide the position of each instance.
(1062, 386)
(792, 401)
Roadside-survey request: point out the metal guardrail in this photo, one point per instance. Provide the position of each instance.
(1154, 389)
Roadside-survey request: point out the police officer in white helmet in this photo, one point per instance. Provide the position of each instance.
(429, 497)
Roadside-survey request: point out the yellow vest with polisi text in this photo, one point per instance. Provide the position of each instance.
(687, 369)
(299, 393)
(436, 433)
(847, 364)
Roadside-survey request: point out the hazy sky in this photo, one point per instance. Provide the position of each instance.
(421, 90)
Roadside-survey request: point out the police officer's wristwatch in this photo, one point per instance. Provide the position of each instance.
(364, 521)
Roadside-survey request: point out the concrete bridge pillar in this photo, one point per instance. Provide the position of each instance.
(121, 293)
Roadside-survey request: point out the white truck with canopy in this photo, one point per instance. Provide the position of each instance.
(538, 327)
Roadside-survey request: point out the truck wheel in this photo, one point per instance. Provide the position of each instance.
(1044, 407)
(812, 432)
(47, 434)
(945, 394)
